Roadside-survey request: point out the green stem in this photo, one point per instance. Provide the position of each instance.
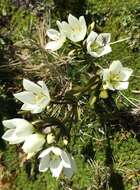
(121, 40)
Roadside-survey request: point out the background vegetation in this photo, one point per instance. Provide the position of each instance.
(110, 162)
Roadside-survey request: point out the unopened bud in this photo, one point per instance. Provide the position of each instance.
(50, 138)
(103, 94)
(30, 155)
(65, 141)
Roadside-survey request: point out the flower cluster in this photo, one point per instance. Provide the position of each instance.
(36, 97)
(76, 30)
(114, 78)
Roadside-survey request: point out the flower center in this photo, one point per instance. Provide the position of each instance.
(76, 29)
(114, 78)
(39, 98)
(53, 157)
(95, 46)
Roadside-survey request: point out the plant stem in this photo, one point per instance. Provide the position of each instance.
(121, 40)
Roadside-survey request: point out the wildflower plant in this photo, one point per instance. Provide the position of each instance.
(55, 116)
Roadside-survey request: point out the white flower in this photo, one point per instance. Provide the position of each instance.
(116, 77)
(33, 144)
(35, 97)
(98, 45)
(58, 38)
(75, 29)
(57, 160)
(18, 130)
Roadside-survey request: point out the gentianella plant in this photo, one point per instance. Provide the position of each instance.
(47, 137)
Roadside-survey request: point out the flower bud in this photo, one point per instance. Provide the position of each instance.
(103, 94)
(65, 141)
(33, 144)
(50, 138)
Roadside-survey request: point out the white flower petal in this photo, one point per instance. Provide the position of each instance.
(23, 127)
(53, 45)
(45, 152)
(105, 74)
(44, 88)
(83, 25)
(56, 167)
(125, 74)
(116, 67)
(44, 164)
(66, 28)
(103, 39)
(69, 171)
(107, 49)
(60, 26)
(36, 109)
(92, 53)
(8, 135)
(56, 151)
(27, 107)
(8, 123)
(26, 97)
(31, 86)
(103, 51)
(16, 140)
(43, 102)
(79, 37)
(53, 34)
(121, 85)
(73, 21)
(33, 143)
(109, 86)
(65, 159)
(92, 37)
(21, 123)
